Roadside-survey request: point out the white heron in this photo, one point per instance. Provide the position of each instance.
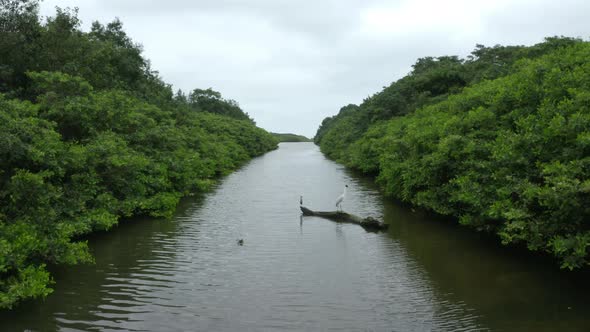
(341, 198)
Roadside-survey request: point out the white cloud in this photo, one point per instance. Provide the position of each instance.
(291, 63)
(419, 16)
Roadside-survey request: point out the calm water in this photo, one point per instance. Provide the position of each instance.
(189, 274)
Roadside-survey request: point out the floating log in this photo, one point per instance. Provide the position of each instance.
(369, 223)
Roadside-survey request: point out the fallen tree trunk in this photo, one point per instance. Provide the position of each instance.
(369, 223)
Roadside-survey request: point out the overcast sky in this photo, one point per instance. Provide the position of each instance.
(290, 64)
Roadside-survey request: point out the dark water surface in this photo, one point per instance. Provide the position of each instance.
(189, 274)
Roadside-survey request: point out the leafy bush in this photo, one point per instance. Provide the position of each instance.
(89, 134)
(509, 155)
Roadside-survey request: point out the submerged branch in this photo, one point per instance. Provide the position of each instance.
(369, 223)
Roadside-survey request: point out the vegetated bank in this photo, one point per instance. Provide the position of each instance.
(285, 137)
(499, 140)
(88, 134)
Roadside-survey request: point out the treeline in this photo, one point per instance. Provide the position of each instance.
(89, 133)
(499, 140)
(285, 137)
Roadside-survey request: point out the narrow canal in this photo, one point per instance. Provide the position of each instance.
(189, 273)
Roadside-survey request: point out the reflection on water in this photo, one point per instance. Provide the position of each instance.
(296, 273)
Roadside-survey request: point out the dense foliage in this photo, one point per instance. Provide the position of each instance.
(500, 140)
(281, 137)
(89, 134)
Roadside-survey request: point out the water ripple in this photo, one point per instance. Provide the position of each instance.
(189, 273)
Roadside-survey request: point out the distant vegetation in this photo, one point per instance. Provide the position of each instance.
(89, 133)
(499, 140)
(290, 138)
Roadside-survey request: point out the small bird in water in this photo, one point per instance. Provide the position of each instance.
(241, 242)
(301, 200)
